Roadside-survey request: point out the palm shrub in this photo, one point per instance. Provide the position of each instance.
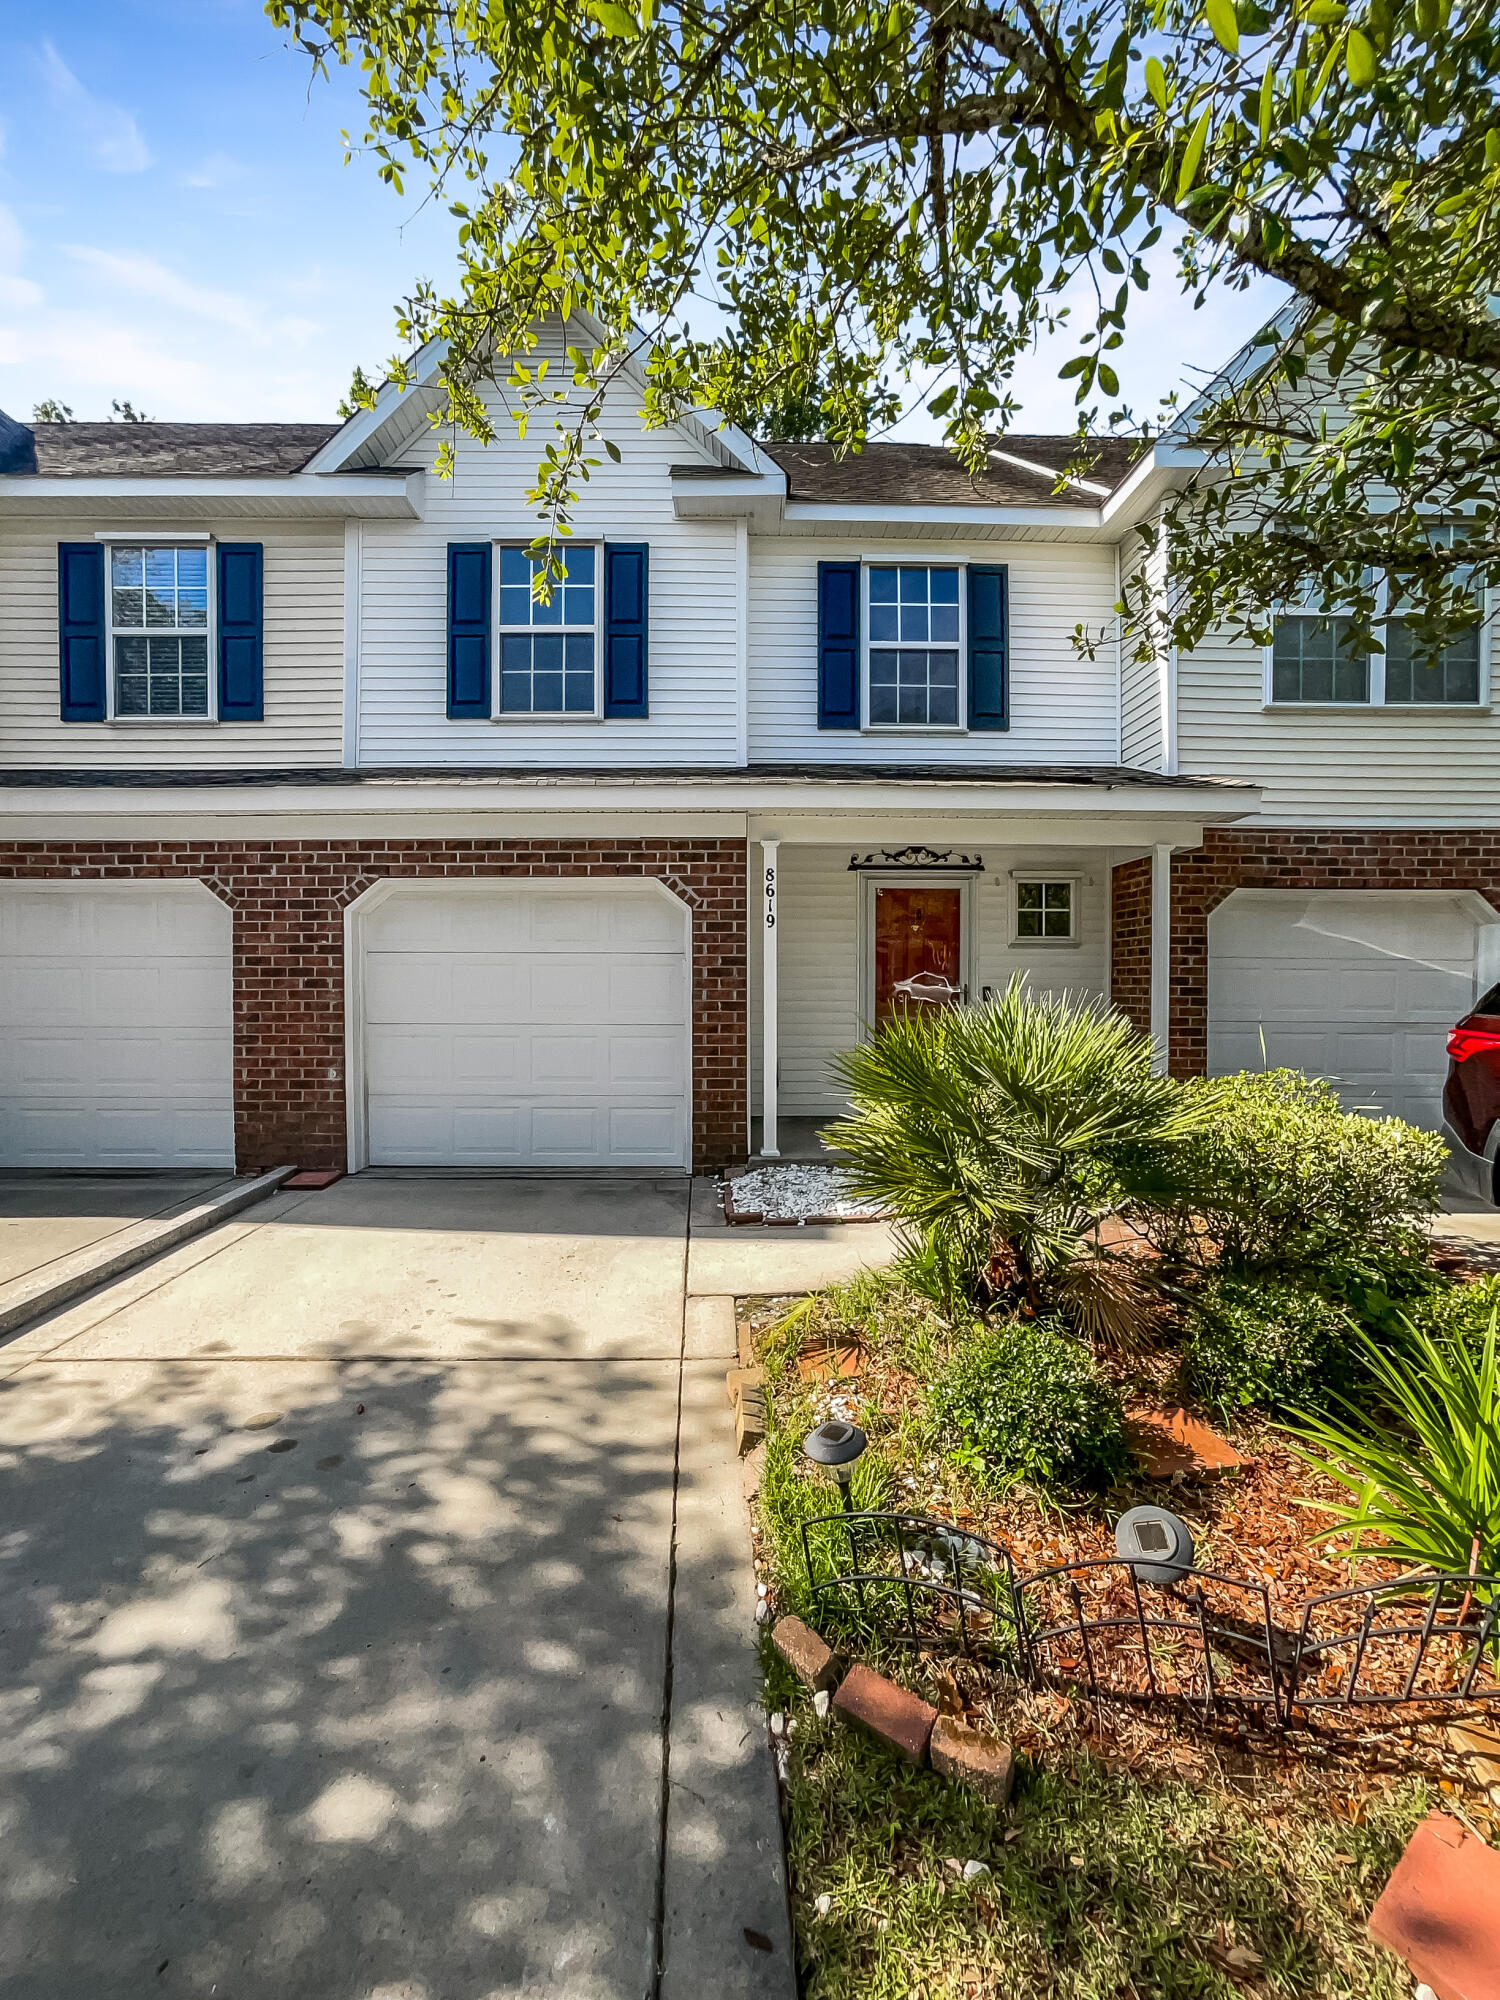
(1000, 1136)
(1426, 1483)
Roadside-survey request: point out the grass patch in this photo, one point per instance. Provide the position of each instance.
(1102, 1885)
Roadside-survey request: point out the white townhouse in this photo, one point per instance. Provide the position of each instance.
(324, 841)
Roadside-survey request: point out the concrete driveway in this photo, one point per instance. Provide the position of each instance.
(376, 1615)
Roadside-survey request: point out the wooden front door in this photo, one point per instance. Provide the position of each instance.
(917, 938)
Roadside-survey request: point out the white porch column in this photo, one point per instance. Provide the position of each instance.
(1161, 951)
(768, 893)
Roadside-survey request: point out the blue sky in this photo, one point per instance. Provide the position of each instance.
(177, 227)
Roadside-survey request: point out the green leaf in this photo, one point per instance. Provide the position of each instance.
(1325, 13)
(1156, 83)
(613, 19)
(1267, 104)
(1109, 381)
(1192, 157)
(1223, 20)
(1360, 59)
(1492, 148)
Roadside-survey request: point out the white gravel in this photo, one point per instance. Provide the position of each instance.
(792, 1193)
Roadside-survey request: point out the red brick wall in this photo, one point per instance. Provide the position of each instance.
(1275, 858)
(288, 898)
(1130, 940)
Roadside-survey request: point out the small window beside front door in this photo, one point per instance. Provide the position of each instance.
(918, 949)
(1044, 912)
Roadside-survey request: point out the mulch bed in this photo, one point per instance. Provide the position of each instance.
(1247, 1523)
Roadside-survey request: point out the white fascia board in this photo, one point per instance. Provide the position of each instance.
(362, 427)
(1237, 368)
(820, 513)
(353, 493)
(1165, 469)
(557, 793)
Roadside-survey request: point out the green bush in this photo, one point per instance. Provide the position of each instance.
(1268, 1345)
(1024, 1401)
(1458, 1312)
(1286, 1179)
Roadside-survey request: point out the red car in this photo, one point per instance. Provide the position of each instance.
(1471, 1096)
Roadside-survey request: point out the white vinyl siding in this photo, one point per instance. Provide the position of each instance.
(1143, 683)
(304, 658)
(822, 980)
(692, 614)
(1062, 706)
(1395, 765)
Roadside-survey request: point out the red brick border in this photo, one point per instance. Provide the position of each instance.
(288, 898)
(1273, 858)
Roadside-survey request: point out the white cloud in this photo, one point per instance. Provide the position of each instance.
(110, 132)
(16, 291)
(217, 171)
(152, 280)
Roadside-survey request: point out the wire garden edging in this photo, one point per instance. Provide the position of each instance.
(1098, 1626)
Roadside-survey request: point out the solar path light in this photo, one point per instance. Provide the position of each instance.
(837, 1445)
(1164, 1540)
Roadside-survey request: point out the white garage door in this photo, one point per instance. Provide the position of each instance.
(116, 1031)
(527, 1026)
(1359, 988)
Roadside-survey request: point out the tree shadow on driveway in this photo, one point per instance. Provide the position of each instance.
(362, 1704)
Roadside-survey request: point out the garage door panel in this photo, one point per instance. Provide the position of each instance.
(116, 1027)
(541, 1026)
(1361, 989)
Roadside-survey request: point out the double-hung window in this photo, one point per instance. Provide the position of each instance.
(549, 653)
(1313, 658)
(159, 624)
(915, 643)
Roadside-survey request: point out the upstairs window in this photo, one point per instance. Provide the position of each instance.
(548, 652)
(159, 630)
(1312, 658)
(913, 650)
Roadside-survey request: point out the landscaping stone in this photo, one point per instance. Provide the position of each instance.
(825, 1364)
(792, 1192)
(892, 1713)
(1170, 1441)
(969, 1757)
(751, 1470)
(749, 1420)
(1480, 1748)
(1440, 1911)
(740, 1378)
(814, 1663)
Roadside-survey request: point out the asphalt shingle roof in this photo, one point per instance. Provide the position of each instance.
(176, 451)
(927, 475)
(911, 475)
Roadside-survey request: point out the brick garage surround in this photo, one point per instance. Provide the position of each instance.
(1333, 858)
(288, 899)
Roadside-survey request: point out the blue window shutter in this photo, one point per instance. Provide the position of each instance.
(241, 632)
(989, 675)
(82, 639)
(838, 645)
(469, 595)
(627, 628)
